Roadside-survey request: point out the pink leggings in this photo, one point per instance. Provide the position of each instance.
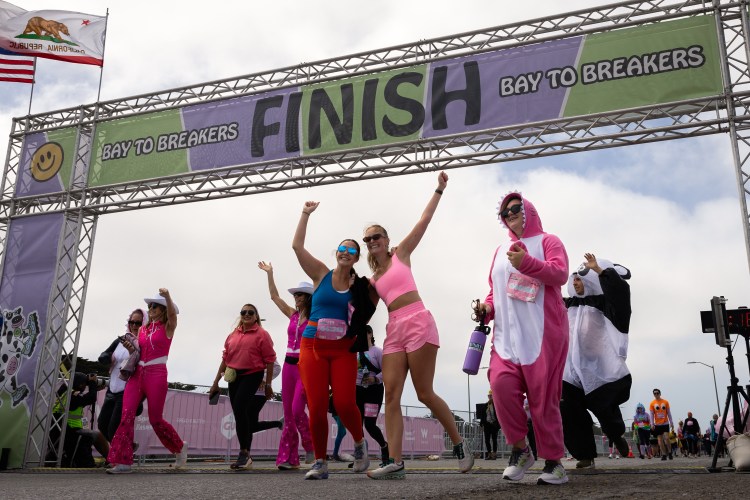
(149, 382)
(295, 419)
(324, 364)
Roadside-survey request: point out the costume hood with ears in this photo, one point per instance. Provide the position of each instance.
(591, 283)
(532, 224)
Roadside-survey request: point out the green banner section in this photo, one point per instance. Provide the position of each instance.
(664, 62)
(126, 146)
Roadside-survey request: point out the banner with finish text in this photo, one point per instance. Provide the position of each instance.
(651, 64)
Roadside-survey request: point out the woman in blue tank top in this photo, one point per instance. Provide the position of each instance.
(325, 360)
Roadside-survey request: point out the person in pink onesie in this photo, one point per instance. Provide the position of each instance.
(530, 338)
(296, 422)
(150, 381)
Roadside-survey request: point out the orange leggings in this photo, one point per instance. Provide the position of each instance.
(324, 363)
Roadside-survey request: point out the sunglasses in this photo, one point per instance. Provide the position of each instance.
(135, 323)
(374, 237)
(154, 305)
(247, 313)
(344, 248)
(512, 210)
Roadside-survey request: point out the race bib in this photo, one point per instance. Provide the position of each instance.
(521, 287)
(371, 410)
(331, 329)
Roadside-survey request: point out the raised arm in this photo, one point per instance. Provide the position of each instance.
(408, 244)
(314, 268)
(283, 306)
(171, 312)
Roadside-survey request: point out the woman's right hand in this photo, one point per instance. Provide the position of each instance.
(310, 207)
(482, 309)
(129, 346)
(214, 389)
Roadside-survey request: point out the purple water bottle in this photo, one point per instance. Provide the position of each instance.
(476, 347)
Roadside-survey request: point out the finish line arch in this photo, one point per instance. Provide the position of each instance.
(624, 74)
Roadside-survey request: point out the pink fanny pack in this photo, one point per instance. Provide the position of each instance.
(330, 329)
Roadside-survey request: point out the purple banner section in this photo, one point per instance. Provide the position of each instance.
(210, 430)
(30, 260)
(26, 184)
(499, 88)
(272, 113)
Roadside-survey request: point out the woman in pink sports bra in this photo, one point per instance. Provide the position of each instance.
(411, 341)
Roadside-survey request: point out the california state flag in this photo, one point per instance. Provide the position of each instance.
(53, 34)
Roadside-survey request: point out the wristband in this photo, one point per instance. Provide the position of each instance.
(439, 191)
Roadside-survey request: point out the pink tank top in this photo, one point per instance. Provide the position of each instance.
(153, 341)
(294, 334)
(396, 281)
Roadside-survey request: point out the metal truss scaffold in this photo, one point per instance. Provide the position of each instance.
(728, 113)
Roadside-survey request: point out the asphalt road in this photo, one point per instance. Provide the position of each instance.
(624, 478)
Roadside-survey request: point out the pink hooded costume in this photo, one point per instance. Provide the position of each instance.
(530, 336)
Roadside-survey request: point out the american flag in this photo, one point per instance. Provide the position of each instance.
(16, 68)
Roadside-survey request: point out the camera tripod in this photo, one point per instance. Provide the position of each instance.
(734, 391)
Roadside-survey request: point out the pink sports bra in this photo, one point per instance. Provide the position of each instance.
(396, 281)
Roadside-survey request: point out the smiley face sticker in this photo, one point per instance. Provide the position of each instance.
(46, 161)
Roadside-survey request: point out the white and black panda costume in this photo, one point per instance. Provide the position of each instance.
(596, 377)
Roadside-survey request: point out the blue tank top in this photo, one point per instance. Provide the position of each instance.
(327, 303)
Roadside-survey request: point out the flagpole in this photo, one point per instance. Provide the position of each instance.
(104, 46)
(33, 82)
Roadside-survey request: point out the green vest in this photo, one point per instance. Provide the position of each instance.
(75, 417)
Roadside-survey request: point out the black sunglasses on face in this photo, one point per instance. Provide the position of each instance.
(248, 313)
(374, 237)
(154, 305)
(511, 210)
(135, 323)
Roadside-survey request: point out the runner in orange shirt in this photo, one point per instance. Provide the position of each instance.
(661, 417)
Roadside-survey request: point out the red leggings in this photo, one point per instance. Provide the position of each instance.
(324, 363)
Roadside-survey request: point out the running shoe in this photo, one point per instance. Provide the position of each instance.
(464, 455)
(553, 473)
(361, 457)
(120, 469)
(181, 457)
(520, 462)
(319, 470)
(391, 470)
(343, 457)
(287, 466)
(586, 463)
(243, 462)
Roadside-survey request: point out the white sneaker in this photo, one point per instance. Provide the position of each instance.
(391, 470)
(464, 455)
(319, 470)
(610, 455)
(343, 457)
(120, 469)
(361, 457)
(520, 462)
(181, 460)
(553, 473)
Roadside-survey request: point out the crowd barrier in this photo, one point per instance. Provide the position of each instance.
(210, 429)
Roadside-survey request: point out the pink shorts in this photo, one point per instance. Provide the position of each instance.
(409, 328)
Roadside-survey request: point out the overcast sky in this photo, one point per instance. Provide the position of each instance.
(669, 211)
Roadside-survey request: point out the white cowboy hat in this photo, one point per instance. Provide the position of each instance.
(304, 287)
(161, 301)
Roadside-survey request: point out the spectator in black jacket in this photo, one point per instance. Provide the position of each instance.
(691, 430)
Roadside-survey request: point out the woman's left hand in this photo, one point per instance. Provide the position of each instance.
(164, 292)
(442, 180)
(269, 392)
